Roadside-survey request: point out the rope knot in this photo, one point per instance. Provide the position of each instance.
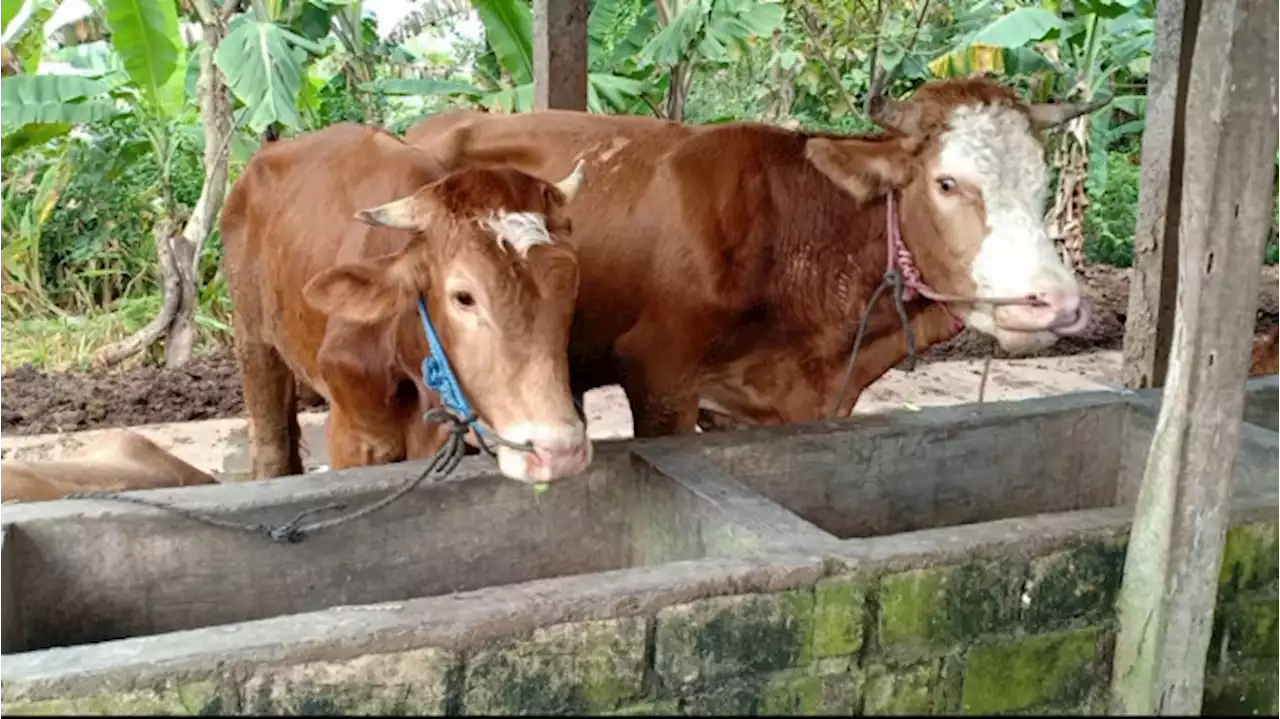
(286, 533)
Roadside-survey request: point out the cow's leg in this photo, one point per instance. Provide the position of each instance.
(660, 380)
(353, 445)
(270, 400)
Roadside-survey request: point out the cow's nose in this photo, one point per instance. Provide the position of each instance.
(549, 462)
(1063, 312)
(1069, 312)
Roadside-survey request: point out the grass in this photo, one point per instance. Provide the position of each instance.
(70, 342)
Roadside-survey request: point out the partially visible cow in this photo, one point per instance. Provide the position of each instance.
(115, 461)
(333, 301)
(732, 263)
(1265, 355)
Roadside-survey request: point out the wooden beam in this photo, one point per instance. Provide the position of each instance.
(1168, 597)
(1153, 281)
(560, 54)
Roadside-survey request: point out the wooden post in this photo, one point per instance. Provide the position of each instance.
(1169, 592)
(560, 54)
(1153, 281)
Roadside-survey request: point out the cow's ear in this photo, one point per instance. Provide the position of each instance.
(866, 169)
(364, 292)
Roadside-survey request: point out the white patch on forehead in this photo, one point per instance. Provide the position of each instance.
(993, 147)
(518, 230)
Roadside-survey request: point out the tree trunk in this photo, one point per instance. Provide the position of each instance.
(156, 328)
(215, 114)
(178, 255)
(778, 107)
(675, 93)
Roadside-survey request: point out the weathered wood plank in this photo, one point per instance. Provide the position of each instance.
(560, 54)
(10, 627)
(1175, 553)
(1153, 281)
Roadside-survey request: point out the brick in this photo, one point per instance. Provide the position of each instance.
(1053, 669)
(1249, 562)
(1250, 692)
(838, 612)
(658, 708)
(819, 689)
(1076, 586)
(912, 689)
(565, 669)
(189, 699)
(1244, 629)
(733, 636)
(932, 609)
(407, 683)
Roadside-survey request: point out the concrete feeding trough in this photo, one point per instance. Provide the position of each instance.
(1261, 400)
(86, 572)
(895, 563)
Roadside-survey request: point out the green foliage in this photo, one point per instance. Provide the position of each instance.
(263, 64)
(508, 27)
(94, 245)
(1112, 214)
(144, 33)
(52, 99)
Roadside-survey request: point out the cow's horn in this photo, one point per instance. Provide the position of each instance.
(401, 214)
(1045, 115)
(894, 114)
(569, 186)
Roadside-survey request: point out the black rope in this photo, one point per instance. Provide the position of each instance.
(444, 461)
(892, 279)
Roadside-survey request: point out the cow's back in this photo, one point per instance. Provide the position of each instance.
(290, 216)
(622, 154)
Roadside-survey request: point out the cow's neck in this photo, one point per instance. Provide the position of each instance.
(853, 278)
(411, 348)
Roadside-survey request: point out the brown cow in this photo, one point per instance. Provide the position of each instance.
(732, 263)
(113, 462)
(1265, 354)
(334, 301)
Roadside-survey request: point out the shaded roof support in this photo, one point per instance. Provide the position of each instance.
(1153, 282)
(1227, 141)
(560, 54)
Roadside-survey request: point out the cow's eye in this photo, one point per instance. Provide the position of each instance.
(464, 299)
(948, 185)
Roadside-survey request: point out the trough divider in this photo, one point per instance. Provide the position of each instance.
(781, 529)
(10, 623)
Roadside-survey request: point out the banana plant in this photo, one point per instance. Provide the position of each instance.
(698, 33)
(263, 57)
(1075, 57)
(508, 26)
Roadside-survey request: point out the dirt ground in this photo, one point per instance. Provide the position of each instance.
(33, 402)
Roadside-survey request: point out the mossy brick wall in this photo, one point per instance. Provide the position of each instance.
(984, 637)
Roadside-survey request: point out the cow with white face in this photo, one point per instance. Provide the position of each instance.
(973, 195)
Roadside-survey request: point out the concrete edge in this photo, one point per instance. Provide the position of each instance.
(957, 416)
(455, 622)
(780, 528)
(10, 623)
(321, 487)
(469, 620)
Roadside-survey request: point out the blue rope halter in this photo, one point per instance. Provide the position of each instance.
(439, 376)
